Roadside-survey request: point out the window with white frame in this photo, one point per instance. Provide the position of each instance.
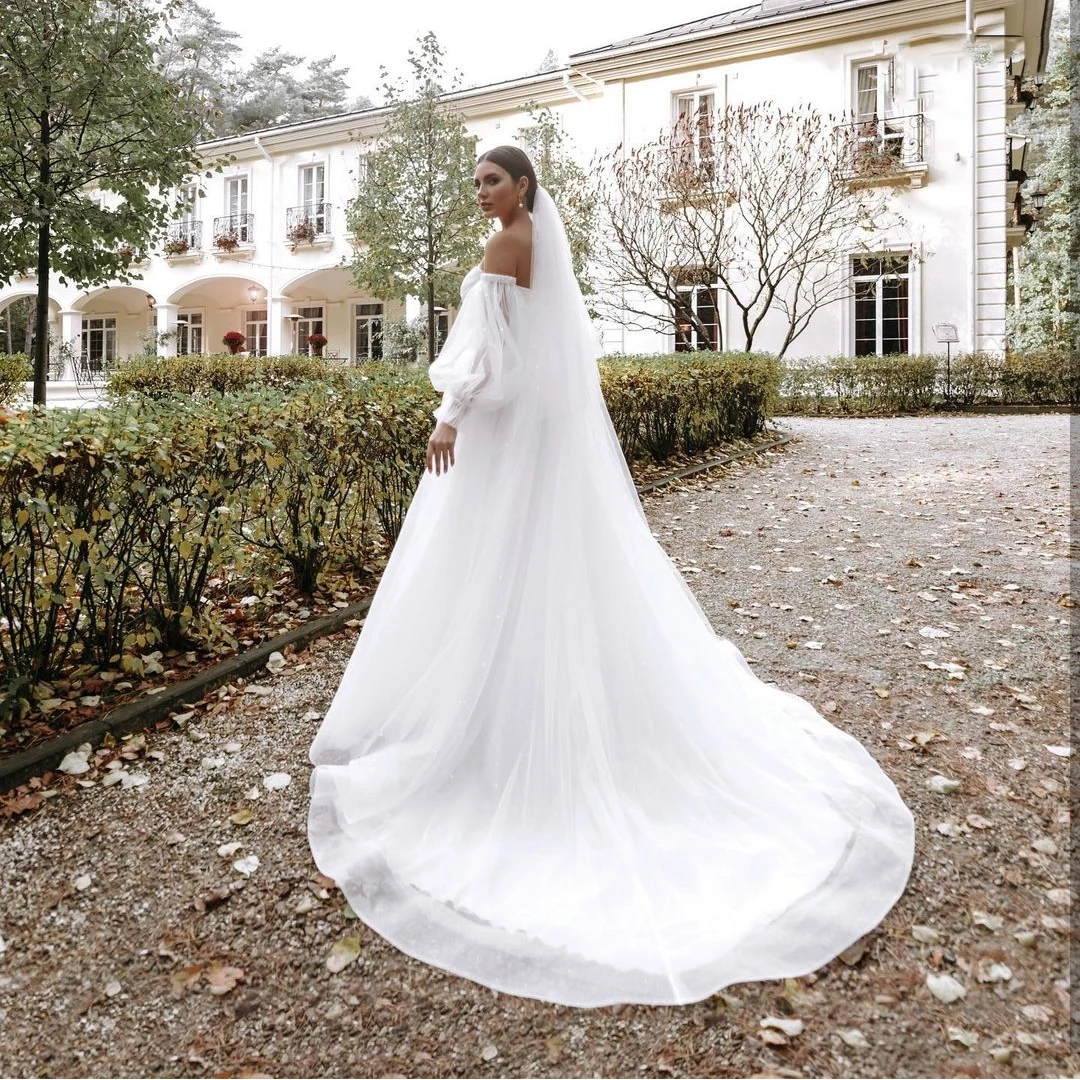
(442, 326)
(98, 341)
(882, 303)
(310, 322)
(362, 164)
(696, 312)
(694, 120)
(873, 87)
(313, 196)
(255, 330)
(368, 324)
(189, 333)
(236, 207)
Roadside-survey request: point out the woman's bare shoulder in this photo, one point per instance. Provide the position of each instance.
(509, 251)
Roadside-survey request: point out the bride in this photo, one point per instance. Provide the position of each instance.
(543, 770)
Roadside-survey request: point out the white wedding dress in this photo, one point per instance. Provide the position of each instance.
(543, 769)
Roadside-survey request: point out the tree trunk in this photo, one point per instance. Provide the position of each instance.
(41, 315)
(431, 315)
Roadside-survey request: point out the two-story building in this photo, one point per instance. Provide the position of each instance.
(263, 250)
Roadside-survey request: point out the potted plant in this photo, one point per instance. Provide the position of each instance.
(303, 232)
(235, 341)
(176, 245)
(316, 342)
(227, 241)
(126, 251)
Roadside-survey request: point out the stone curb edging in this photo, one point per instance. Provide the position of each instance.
(682, 474)
(22, 766)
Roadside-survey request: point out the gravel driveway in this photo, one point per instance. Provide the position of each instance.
(908, 576)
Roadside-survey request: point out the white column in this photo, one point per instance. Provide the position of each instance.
(278, 341)
(71, 335)
(166, 324)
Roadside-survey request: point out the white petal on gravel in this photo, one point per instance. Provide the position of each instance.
(175, 838)
(1045, 845)
(212, 762)
(312, 714)
(77, 761)
(112, 988)
(925, 935)
(253, 793)
(1061, 897)
(1002, 1054)
(1060, 751)
(981, 710)
(788, 1025)
(275, 663)
(984, 918)
(997, 973)
(1017, 764)
(942, 785)
(229, 849)
(1040, 1014)
(276, 781)
(82, 882)
(1026, 938)
(933, 632)
(233, 747)
(945, 988)
(133, 780)
(112, 778)
(966, 1038)
(811, 645)
(489, 1053)
(247, 865)
(854, 1038)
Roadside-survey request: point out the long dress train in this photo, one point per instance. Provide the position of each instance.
(543, 769)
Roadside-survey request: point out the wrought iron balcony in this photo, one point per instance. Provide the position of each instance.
(887, 147)
(233, 230)
(305, 224)
(184, 237)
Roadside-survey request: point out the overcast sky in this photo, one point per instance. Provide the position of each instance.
(487, 41)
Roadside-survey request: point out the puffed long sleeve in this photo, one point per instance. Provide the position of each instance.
(479, 366)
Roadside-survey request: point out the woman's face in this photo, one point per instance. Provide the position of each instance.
(496, 192)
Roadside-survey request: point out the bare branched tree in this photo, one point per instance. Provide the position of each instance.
(762, 204)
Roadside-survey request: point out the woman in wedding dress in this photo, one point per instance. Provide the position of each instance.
(543, 769)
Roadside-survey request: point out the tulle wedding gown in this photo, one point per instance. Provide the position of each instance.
(543, 769)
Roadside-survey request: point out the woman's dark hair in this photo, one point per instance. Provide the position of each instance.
(517, 164)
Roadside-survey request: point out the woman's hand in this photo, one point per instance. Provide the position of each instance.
(440, 448)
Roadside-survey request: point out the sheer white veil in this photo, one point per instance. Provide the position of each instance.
(571, 381)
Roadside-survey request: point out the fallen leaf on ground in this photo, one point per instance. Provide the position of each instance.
(343, 953)
(945, 988)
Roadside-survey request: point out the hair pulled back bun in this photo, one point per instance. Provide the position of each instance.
(516, 162)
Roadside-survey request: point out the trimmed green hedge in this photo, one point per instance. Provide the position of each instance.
(15, 370)
(904, 383)
(116, 523)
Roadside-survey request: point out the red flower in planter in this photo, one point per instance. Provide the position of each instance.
(235, 341)
(316, 339)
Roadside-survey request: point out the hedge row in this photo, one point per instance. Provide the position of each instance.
(903, 383)
(116, 522)
(659, 405)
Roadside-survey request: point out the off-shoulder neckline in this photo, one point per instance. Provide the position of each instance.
(501, 277)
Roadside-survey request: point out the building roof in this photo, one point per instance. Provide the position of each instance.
(765, 10)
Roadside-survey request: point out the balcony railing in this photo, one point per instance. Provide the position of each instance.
(234, 230)
(184, 237)
(303, 224)
(888, 147)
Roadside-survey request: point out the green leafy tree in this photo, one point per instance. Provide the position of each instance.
(1048, 315)
(549, 148)
(415, 213)
(87, 108)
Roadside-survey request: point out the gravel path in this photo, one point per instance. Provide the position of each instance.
(908, 576)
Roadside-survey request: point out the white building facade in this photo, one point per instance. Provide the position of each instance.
(263, 251)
